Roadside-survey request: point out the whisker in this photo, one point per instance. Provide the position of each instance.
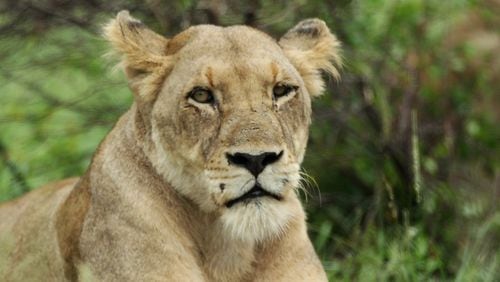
(307, 182)
(303, 189)
(284, 172)
(217, 169)
(223, 177)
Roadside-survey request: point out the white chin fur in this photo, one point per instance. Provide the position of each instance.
(258, 220)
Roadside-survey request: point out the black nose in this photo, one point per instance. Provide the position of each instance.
(254, 163)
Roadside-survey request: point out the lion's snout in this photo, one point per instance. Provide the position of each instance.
(255, 164)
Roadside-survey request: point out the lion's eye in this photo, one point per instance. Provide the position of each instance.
(201, 95)
(281, 90)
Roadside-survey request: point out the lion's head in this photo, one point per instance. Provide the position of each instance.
(223, 114)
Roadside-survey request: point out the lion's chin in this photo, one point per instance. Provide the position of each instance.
(257, 220)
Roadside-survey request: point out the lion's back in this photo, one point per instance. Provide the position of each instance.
(28, 241)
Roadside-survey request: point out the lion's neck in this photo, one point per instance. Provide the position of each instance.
(122, 169)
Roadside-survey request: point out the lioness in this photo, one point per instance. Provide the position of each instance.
(198, 180)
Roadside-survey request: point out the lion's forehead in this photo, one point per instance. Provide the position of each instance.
(226, 43)
(233, 59)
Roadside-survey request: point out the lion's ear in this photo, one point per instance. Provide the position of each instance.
(312, 48)
(142, 51)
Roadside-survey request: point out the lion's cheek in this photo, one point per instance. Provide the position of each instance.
(295, 120)
(196, 127)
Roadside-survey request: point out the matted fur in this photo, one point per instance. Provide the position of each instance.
(153, 204)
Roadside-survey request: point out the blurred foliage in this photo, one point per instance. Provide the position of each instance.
(404, 150)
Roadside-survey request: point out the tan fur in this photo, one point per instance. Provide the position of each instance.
(152, 205)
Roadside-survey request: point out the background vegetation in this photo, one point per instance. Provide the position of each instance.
(405, 150)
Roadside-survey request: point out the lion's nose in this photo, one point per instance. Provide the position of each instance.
(254, 163)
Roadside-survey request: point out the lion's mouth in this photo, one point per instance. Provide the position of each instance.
(256, 192)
